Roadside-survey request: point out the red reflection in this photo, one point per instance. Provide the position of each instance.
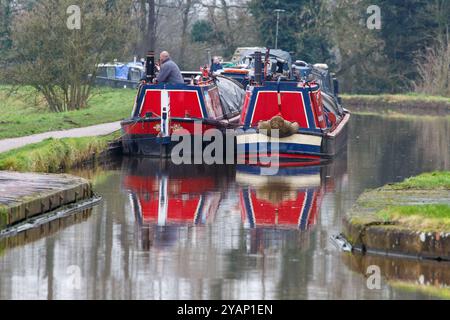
(169, 201)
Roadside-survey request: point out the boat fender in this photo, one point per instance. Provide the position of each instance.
(286, 128)
(332, 118)
(317, 104)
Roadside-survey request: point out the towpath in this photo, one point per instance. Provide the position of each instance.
(92, 131)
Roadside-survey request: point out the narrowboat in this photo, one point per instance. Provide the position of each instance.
(243, 70)
(164, 114)
(120, 75)
(292, 111)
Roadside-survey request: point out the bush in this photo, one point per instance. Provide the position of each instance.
(434, 70)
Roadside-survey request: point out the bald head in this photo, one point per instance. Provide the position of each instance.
(163, 56)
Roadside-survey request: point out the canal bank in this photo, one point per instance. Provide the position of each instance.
(410, 219)
(55, 155)
(399, 104)
(29, 200)
(25, 197)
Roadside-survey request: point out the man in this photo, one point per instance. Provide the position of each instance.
(216, 66)
(169, 71)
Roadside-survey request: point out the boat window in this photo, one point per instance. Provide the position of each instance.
(135, 75)
(111, 72)
(102, 72)
(232, 95)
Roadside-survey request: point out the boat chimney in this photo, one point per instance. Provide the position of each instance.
(150, 66)
(209, 57)
(258, 67)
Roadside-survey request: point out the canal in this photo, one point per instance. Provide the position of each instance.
(186, 232)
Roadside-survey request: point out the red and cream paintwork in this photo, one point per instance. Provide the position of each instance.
(295, 102)
(163, 110)
(185, 104)
(166, 201)
(286, 202)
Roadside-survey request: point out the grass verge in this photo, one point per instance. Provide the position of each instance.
(397, 98)
(398, 105)
(24, 112)
(429, 217)
(54, 155)
(426, 181)
(434, 217)
(429, 290)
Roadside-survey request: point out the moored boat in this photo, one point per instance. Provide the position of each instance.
(164, 111)
(291, 111)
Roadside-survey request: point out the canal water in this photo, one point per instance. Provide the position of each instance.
(193, 232)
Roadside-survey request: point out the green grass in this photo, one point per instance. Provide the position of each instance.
(24, 112)
(2, 247)
(3, 216)
(435, 217)
(54, 155)
(396, 98)
(429, 290)
(426, 181)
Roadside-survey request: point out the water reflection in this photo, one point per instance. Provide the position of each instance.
(44, 230)
(164, 199)
(406, 274)
(194, 232)
(289, 200)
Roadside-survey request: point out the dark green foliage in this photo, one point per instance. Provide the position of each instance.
(409, 27)
(202, 31)
(402, 56)
(300, 27)
(5, 25)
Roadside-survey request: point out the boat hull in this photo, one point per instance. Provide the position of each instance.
(142, 137)
(302, 148)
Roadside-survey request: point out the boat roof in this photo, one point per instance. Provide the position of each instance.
(274, 53)
(121, 65)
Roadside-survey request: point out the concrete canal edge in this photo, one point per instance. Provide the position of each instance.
(368, 233)
(29, 195)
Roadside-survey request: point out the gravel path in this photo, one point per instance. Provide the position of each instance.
(97, 130)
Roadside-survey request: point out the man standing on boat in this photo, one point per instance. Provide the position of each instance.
(169, 71)
(216, 66)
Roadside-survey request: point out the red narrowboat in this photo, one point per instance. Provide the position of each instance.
(162, 111)
(293, 112)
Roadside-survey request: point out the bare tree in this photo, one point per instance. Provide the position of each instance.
(57, 60)
(186, 7)
(434, 69)
(151, 26)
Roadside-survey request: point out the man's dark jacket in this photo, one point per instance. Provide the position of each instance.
(170, 73)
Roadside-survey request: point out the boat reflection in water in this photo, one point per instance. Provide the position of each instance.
(279, 209)
(173, 203)
(165, 199)
(289, 200)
